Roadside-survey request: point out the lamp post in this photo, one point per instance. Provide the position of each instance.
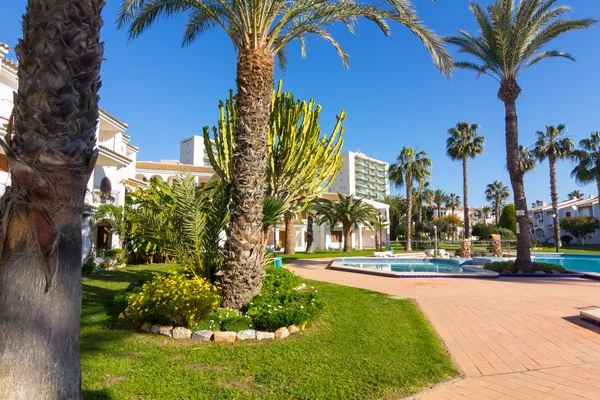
(380, 218)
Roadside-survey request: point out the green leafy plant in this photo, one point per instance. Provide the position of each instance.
(173, 299)
(276, 310)
(566, 239)
(89, 267)
(118, 254)
(580, 226)
(279, 280)
(508, 267)
(508, 218)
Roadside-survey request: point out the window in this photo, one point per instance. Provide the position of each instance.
(568, 214)
(105, 185)
(336, 237)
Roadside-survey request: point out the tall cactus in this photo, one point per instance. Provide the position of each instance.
(302, 163)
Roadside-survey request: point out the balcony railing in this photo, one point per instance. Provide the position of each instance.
(100, 197)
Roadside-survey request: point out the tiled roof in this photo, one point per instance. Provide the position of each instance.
(330, 196)
(103, 111)
(10, 64)
(114, 152)
(173, 167)
(4, 45)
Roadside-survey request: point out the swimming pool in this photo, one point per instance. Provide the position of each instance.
(572, 262)
(409, 267)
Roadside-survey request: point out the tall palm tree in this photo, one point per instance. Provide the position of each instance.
(347, 211)
(575, 194)
(554, 146)
(486, 212)
(423, 196)
(260, 31)
(497, 194)
(464, 143)
(410, 167)
(453, 202)
(439, 199)
(51, 155)
(588, 161)
(527, 159)
(537, 203)
(511, 39)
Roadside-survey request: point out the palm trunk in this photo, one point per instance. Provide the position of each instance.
(420, 213)
(347, 238)
(466, 198)
(51, 155)
(309, 234)
(509, 91)
(598, 186)
(290, 233)
(554, 197)
(408, 213)
(497, 208)
(243, 271)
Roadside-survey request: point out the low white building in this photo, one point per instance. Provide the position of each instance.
(543, 221)
(168, 170)
(476, 214)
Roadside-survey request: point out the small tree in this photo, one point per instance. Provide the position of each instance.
(508, 219)
(580, 226)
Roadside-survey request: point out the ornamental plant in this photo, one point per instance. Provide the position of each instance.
(173, 299)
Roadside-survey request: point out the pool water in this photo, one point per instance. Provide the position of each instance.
(405, 265)
(572, 262)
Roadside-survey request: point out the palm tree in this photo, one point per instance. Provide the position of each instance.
(453, 202)
(439, 199)
(261, 31)
(588, 159)
(575, 194)
(496, 193)
(347, 211)
(486, 212)
(51, 155)
(511, 39)
(554, 145)
(410, 167)
(537, 203)
(377, 223)
(527, 159)
(464, 143)
(422, 196)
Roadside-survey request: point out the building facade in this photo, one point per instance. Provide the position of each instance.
(192, 151)
(362, 176)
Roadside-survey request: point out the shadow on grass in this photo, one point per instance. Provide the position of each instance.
(96, 395)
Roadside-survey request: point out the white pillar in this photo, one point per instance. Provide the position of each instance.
(360, 237)
(300, 232)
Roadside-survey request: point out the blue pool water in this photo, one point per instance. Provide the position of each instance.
(572, 262)
(404, 265)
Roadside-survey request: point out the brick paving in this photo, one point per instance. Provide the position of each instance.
(512, 338)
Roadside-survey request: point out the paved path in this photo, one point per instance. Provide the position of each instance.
(513, 339)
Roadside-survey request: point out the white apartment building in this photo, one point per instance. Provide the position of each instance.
(543, 221)
(362, 176)
(476, 214)
(191, 151)
(115, 168)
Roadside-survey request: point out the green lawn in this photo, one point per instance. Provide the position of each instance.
(586, 249)
(366, 345)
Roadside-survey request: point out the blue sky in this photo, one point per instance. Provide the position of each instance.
(392, 93)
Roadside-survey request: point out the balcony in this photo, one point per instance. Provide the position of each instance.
(100, 197)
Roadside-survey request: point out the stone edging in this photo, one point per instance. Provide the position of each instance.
(180, 332)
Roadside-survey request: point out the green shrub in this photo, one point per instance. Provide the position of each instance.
(484, 231)
(566, 239)
(237, 324)
(122, 296)
(118, 254)
(508, 267)
(508, 218)
(273, 311)
(206, 324)
(279, 280)
(173, 299)
(506, 234)
(89, 267)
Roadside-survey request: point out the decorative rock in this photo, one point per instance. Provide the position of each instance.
(181, 333)
(264, 335)
(146, 327)
(282, 333)
(555, 272)
(224, 336)
(166, 331)
(247, 334)
(203, 335)
(155, 329)
(539, 273)
(293, 329)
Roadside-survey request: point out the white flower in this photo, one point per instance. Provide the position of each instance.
(316, 291)
(312, 287)
(301, 306)
(269, 312)
(279, 306)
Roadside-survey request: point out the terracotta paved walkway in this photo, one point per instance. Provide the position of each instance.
(513, 339)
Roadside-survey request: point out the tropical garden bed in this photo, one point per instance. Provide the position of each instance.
(365, 345)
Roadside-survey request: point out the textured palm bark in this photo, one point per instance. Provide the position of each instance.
(409, 213)
(347, 238)
(508, 93)
(598, 186)
(242, 273)
(466, 200)
(290, 233)
(554, 197)
(309, 234)
(51, 155)
(420, 213)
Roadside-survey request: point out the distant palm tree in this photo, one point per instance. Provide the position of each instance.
(554, 146)
(410, 167)
(496, 193)
(453, 202)
(261, 31)
(347, 211)
(486, 212)
(527, 159)
(377, 223)
(537, 203)
(439, 199)
(588, 159)
(511, 38)
(465, 143)
(422, 196)
(575, 194)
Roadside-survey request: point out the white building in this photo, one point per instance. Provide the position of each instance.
(543, 221)
(114, 169)
(191, 151)
(168, 170)
(476, 214)
(362, 176)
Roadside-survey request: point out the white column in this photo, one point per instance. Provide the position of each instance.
(360, 237)
(300, 232)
